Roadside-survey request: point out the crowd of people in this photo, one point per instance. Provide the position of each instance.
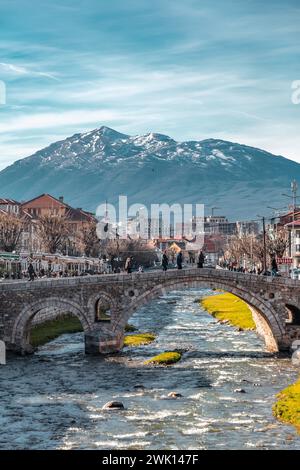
(233, 266)
(32, 272)
(109, 267)
(179, 260)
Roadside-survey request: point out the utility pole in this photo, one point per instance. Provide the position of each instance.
(213, 210)
(264, 243)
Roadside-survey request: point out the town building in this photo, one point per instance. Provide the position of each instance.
(10, 205)
(46, 205)
(288, 224)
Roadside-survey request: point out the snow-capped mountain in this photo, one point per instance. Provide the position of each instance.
(90, 167)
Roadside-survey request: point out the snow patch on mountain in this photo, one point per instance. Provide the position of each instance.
(100, 164)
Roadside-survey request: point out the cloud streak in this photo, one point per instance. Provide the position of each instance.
(21, 70)
(189, 69)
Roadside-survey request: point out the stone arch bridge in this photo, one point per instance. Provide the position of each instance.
(104, 303)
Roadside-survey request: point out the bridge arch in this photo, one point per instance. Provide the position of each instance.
(293, 314)
(265, 317)
(21, 327)
(102, 300)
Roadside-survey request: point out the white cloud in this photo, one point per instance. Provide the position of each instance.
(211, 75)
(21, 70)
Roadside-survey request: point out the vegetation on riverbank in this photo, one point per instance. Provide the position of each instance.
(165, 358)
(49, 330)
(287, 408)
(228, 307)
(139, 339)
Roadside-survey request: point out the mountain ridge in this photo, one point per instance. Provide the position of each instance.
(90, 167)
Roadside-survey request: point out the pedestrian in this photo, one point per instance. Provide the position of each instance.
(274, 266)
(201, 259)
(165, 261)
(179, 260)
(191, 258)
(112, 263)
(128, 264)
(31, 272)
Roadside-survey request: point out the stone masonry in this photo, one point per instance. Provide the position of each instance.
(274, 302)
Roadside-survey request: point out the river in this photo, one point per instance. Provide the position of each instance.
(53, 399)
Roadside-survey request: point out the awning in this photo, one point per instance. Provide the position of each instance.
(11, 256)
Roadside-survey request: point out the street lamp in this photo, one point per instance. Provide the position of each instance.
(213, 210)
(276, 209)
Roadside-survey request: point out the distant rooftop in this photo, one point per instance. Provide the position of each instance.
(8, 201)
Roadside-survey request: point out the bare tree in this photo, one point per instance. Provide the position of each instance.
(246, 246)
(252, 247)
(53, 232)
(143, 253)
(234, 249)
(278, 243)
(258, 249)
(11, 228)
(88, 239)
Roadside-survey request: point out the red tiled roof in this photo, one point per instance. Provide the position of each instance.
(296, 223)
(79, 215)
(71, 213)
(43, 195)
(9, 201)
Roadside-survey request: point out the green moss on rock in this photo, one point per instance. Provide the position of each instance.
(165, 358)
(139, 339)
(228, 307)
(287, 408)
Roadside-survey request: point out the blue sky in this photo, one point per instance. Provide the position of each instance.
(190, 69)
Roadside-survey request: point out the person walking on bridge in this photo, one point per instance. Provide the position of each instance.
(274, 266)
(165, 261)
(31, 272)
(201, 259)
(179, 260)
(128, 265)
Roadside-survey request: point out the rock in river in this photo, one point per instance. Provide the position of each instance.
(174, 395)
(113, 405)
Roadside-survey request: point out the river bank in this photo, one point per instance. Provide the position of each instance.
(51, 329)
(287, 407)
(228, 308)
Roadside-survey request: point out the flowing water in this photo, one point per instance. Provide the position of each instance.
(54, 399)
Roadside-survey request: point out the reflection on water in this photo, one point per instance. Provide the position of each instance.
(54, 399)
